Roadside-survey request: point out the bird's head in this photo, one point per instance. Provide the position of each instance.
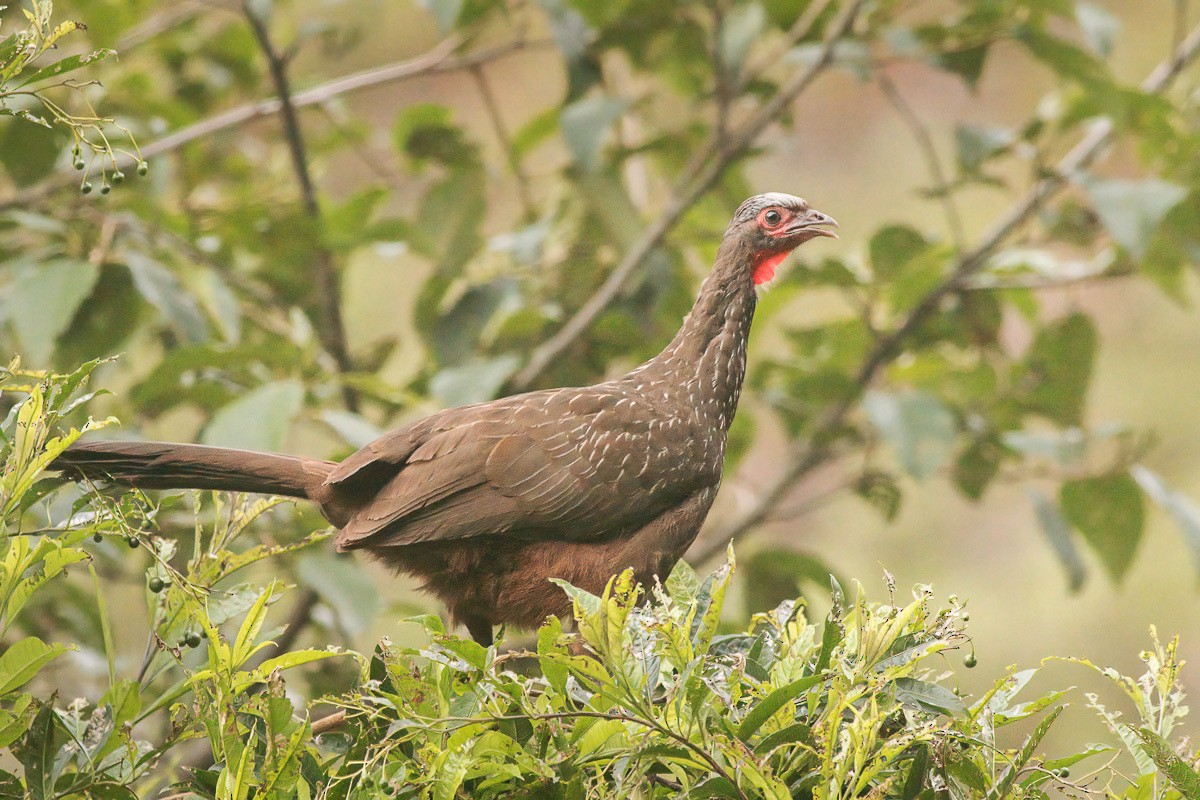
(769, 226)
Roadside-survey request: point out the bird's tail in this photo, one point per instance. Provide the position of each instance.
(163, 465)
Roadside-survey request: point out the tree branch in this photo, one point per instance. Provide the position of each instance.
(325, 274)
(806, 456)
(435, 62)
(492, 107)
(920, 132)
(705, 174)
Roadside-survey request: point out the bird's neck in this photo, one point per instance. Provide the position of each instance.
(706, 361)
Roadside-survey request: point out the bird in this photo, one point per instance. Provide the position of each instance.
(486, 503)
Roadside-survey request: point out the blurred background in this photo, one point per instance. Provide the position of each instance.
(460, 177)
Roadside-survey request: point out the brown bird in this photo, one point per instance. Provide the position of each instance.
(486, 503)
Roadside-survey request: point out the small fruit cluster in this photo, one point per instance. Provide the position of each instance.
(115, 178)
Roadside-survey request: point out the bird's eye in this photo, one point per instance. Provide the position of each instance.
(772, 218)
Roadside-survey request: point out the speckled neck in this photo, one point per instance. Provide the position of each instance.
(706, 361)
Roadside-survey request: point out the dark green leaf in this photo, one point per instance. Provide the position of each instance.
(766, 708)
(929, 697)
(1058, 368)
(893, 248)
(1110, 514)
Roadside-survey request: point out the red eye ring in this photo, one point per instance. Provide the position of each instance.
(771, 218)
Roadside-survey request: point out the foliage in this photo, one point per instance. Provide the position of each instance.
(228, 291)
(646, 699)
(27, 84)
(222, 279)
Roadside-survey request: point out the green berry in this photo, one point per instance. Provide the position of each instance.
(105, 188)
(86, 188)
(118, 177)
(79, 163)
(132, 541)
(1064, 773)
(97, 538)
(192, 640)
(966, 617)
(143, 168)
(156, 585)
(970, 661)
(389, 789)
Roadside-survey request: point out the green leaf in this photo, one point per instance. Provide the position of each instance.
(584, 125)
(1062, 540)
(161, 289)
(1110, 514)
(42, 300)
(23, 659)
(1099, 27)
(445, 13)
(341, 583)
(769, 705)
(63, 66)
(1058, 367)
(893, 248)
(258, 420)
(917, 424)
(1182, 777)
(742, 25)
(976, 144)
(37, 752)
(929, 696)
(473, 381)
(1131, 210)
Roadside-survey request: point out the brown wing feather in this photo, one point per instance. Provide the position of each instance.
(559, 463)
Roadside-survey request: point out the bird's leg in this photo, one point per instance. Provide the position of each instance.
(480, 630)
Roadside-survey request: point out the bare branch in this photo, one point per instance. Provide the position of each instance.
(325, 275)
(510, 155)
(705, 174)
(924, 139)
(811, 453)
(435, 62)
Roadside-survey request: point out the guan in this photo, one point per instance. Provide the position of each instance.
(486, 503)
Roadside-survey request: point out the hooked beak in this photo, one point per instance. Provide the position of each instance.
(814, 223)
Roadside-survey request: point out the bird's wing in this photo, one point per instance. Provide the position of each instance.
(572, 465)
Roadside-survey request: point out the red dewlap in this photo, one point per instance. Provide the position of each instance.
(764, 270)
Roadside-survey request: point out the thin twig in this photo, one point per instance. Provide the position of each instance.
(490, 104)
(707, 171)
(435, 62)
(807, 455)
(920, 132)
(325, 276)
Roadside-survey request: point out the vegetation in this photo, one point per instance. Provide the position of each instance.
(553, 250)
(645, 700)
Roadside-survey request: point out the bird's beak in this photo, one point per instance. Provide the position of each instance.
(813, 223)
